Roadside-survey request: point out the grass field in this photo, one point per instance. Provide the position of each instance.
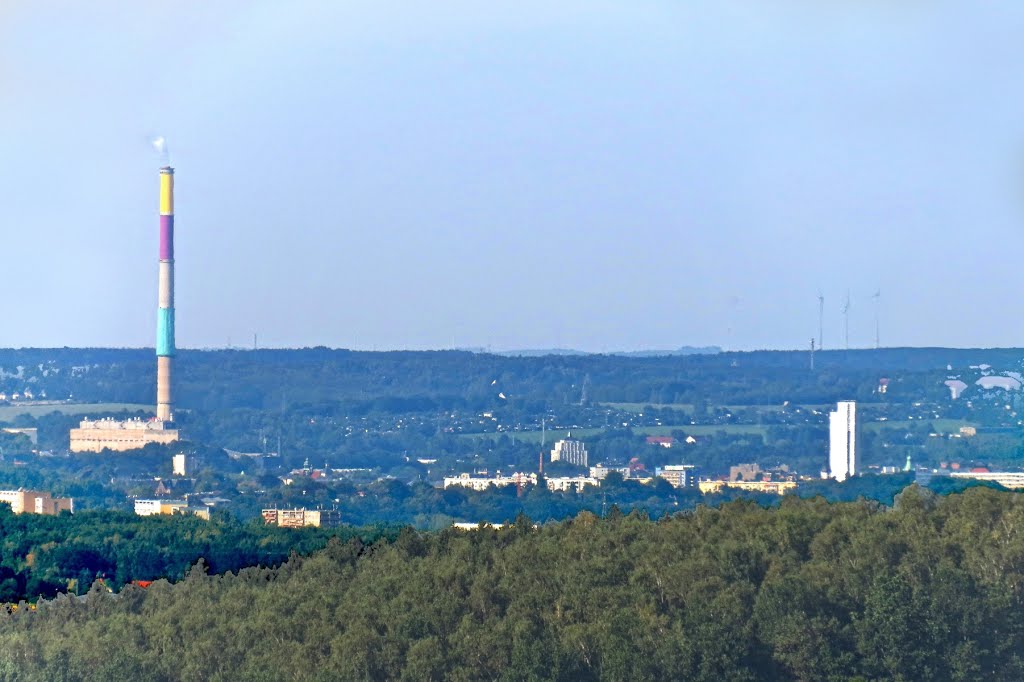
(696, 430)
(9, 412)
(937, 425)
(637, 408)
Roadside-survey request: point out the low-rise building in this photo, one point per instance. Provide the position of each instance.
(600, 471)
(483, 482)
(297, 518)
(1007, 479)
(465, 525)
(775, 487)
(744, 472)
(32, 502)
(32, 433)
(157, 507)
(565, 483)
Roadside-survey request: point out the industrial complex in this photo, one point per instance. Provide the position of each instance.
(119, 436)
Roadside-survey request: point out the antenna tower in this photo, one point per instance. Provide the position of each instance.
(821, 321)
(846, 320)
(878, 300)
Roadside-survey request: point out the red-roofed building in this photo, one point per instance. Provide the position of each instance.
(663, 441)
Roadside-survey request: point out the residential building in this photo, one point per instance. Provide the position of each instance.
(483, 482)
(842, 427)
(1007, 479)
(745, 472)
(600, 471)
(465, 525)
(776, 487)
(566, 483)
(679, 475)
(32, 502)
(297, 518)
(663, 441)
(570, 451)
(157, 507)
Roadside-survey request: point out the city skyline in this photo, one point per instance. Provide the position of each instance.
(593, 177)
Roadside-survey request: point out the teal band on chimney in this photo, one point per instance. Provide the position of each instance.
(165, 332)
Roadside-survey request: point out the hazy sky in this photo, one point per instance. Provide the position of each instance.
(588, 174)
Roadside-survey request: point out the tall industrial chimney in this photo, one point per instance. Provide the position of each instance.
(165, 313)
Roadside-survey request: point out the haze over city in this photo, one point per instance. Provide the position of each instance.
(592, 175)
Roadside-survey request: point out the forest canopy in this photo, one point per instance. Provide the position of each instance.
(928, 589)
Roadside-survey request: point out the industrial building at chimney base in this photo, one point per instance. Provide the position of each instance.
(119, 436)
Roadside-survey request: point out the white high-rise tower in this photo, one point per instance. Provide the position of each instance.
(842, 430)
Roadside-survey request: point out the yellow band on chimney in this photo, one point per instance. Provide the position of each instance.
(166, 194)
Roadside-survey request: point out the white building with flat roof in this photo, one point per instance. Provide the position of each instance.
(484, 482)
(600, 472)
(158, 507)
(842, 432)
(1007, 479)
(567, 483)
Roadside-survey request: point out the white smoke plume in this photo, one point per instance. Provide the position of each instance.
(160, 145)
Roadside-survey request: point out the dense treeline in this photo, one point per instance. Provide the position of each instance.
(405, 381)
(427, 507)
(387, 410)
(930, 589)
(47, 555)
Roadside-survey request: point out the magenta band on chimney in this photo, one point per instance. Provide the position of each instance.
(166, 237)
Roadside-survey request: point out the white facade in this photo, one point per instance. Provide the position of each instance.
(179, 464)
(576, 483)
(600, 471)
(1007, 479)
(155, 507)
(842, 430)
(147, 507)
(571, 451)
(483, 482)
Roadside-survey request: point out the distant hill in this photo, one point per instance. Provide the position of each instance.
(684, 350)
(540, 352)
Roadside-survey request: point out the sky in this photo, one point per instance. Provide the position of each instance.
(524, 174)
